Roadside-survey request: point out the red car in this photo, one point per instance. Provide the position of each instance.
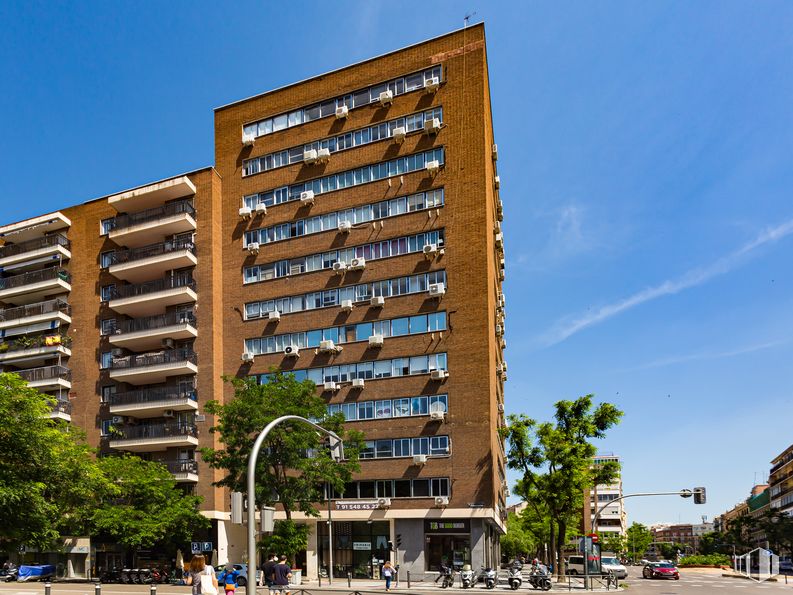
(661, 570)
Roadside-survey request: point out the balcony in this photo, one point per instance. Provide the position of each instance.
(139, 264)
(151, 332)
(152, 195)
(153, 368)
(38, 248)
(153, 402)
(31, 287)
(61, 410)
(183, 470)
(34, 228)
(56, 310)
(48, 378)
(137, 229)
(31, 350)
(147, 438)
(151, 297)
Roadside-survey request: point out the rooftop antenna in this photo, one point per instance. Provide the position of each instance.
(466, 17)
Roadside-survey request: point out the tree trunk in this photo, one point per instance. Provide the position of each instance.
(552, 552)
(560, 546)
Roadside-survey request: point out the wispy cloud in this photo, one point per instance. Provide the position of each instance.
(708, 355)
(569, 326)
(571, 231)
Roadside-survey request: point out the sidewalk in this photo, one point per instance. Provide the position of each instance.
(375, 586)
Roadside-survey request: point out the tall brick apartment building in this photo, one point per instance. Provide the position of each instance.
(349, 232)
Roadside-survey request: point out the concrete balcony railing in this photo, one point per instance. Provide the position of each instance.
(50, 310)
(153, 368)
(151, 332)
(48, 377)
(152, 437)
(139, 264)
(147, 298)
(28, 288)
(35, 248)
(153, 402)
(136, 229)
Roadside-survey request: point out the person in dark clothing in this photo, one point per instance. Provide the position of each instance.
(269, 566)
(281, 575)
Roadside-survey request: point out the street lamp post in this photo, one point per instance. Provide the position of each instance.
(336, 449)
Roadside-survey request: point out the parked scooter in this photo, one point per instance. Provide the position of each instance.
(539, 578)
(515, 578)
(490, 576)
(10, 574)
(446, 576)
(468, 576)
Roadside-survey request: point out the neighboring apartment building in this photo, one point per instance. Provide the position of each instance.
(780, 482)
(613, 518)
(350, 233)
(684, 534)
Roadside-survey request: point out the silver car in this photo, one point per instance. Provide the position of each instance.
(613, 565)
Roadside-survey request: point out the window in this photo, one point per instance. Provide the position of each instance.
(108, 326)
(105, 427)
(105, 360)
(107, 292)
(106, 258)
(421, 488)
(107, 393)
(106, 226)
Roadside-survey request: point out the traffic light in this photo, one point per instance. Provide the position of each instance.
(399, 540)
(699, 496)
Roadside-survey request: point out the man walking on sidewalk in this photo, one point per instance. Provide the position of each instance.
(281, 575)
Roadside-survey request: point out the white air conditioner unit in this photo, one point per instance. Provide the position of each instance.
(501, 407)
(248, 139)
(342, 111)
(377, 301)
(384, 502)
(323, 155)
(307, 197)
(439, 375)
(441, 501)
(419, 459)
(503, 344)
(358, 382)
(498, 227)
(386, 97)
(357, 264)
(499, 240)
(168, 343)
(501, 275)
(431, 84)
(168, 413)
(274, 315)
(253, 247)
(339, 267)
(399, 134)
(345, 226)
(330, 386)
(117, 352)
(292, 351)
(376, 341)
(437, 289)
(310, 156)
(245, 212)
(497, 182)
(433, 167)
(499, 369)
(117, 419)
(504, 366)
(499, 330)
(261, 208)
(430, 250)
(494, 152)
(247, 357)
(347, 305)
(432, 125)
(437, 415)
(328, 347)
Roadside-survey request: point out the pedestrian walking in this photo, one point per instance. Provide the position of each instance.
(201, 576)
(268, 569)
(388, 573)
(229, 579)
(281, 575)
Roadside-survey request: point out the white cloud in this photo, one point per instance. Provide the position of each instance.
(568, 326)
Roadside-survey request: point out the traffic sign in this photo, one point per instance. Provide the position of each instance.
(206, 546)
(195, 547)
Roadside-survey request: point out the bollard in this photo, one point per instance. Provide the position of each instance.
(408, 579)
(48, 588)
(319, 578)
(153, 589)
(98, 589)
(349, 580)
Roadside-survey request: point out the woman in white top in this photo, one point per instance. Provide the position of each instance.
(198, 567)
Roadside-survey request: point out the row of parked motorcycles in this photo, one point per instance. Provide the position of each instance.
(469, 577)
(136, 576)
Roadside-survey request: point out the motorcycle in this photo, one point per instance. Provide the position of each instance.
(9, 575)
(490, 576)
(515, 579)
(145, 576)
(468, 576)
(111, 575)
(446, 576)
(539, 579)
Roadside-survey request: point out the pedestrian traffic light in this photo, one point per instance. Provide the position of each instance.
(399, 540)
(699, 496)
(390, 546)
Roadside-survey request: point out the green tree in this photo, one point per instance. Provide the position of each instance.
(294, 463)
(669, 551)
(141, 505)
(288, 538)
(517, 541)
(709, 543)
(613, 542)
(555, 459)
(639, 538)
(46, 469)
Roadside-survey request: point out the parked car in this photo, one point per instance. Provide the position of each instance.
(610, 564)
(242, 579)
(661, 570)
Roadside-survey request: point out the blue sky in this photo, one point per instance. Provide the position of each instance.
(646, 159)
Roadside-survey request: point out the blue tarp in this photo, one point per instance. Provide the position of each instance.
(32, 573)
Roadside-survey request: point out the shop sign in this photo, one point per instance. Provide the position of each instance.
(362, 545)
(463, 526)
(357, 505)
